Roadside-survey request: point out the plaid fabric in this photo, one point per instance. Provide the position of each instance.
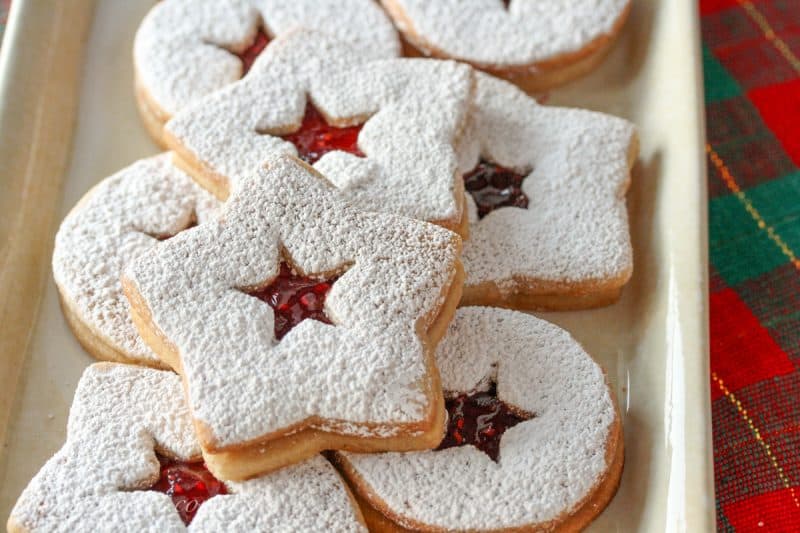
(751, 56)
(4, 7)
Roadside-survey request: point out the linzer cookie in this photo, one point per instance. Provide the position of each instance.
(186, 49)
(299, 323)
(117, 220)
(533, 439)
(131, 463)
(537, 44)
(546, 195)
(383, 132)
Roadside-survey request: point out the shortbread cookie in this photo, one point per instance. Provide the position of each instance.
(116, 221)
(546, 194)
(186, 49)
(131, 463)
(537, 44)
(345, 360)
(395, 153)
(534, 439)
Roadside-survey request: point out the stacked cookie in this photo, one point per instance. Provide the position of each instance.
(332, 258)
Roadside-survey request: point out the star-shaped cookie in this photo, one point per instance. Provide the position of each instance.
(550, 230)
(187, 49)
(411, 114)
(364, 382)
(125, 425)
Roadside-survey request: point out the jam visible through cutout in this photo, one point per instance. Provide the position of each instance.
(249, 55)
(493, 186)
(479, 419)
(316, 137)
(189, 485)
(295, 298)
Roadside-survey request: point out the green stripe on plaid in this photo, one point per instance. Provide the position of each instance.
(739, 249)
(718, 83)
(778, 201)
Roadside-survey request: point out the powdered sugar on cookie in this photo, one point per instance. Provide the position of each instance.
(548, 466)
(412, 112)
(97, 481)
(184, 48)
(367, 371)
(488, 33)
(116, 221)
(577, 168)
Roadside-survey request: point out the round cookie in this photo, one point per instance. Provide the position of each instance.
(343, 360)
(550, 228)
(186, 49)
(117, 220)
(383, 132)
(130, 437)
(534, 439)
(536, 44)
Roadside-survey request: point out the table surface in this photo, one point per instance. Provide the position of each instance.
(751, 55)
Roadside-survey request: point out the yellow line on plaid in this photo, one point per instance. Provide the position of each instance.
(742, 411)
(769, 33)
(730, 182)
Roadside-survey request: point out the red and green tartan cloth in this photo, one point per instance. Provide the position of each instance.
(4, 7)
(751, 59)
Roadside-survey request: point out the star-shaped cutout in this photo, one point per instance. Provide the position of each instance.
(295, 298)
(189, 485)
(479, 420)
(398, 286)
(227, 134)
(316, 137)
(249, 55)
(493, 186)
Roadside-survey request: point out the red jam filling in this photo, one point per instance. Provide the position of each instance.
(189, 485)
(493, 186)
(249, 55)
(295, 298)
(479, 420)
(316, 137)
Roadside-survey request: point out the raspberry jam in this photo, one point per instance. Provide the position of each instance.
(189, 485)
(295, 298)
(493, 186)
(316, 137)
(479, 419)
(249, 55)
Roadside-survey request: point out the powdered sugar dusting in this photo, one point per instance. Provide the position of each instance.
(547, 464)
(120, 414)
(368, 368)
(414, 111)
(114, 223)
(576, 225)
(180, 50)
(305, 497)
(528, 31)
